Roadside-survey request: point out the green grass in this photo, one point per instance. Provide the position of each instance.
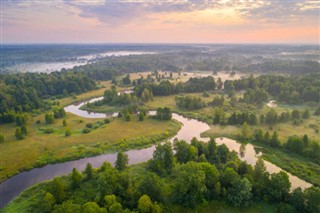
(38, 148)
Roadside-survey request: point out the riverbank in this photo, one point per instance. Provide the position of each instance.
(39, 149)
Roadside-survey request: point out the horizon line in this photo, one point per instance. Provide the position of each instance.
(153, 43)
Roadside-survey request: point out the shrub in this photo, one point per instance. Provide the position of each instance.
(89, 125)
(67, 133)
(106, 121)
(86, 131)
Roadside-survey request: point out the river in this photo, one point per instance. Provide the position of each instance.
(13, 186)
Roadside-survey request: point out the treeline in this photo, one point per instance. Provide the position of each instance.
(290, 90)
(107, 69)
(197, 173)
(25, 92)
(299, 145)
(189, 102)
(284, 66)
(270, 118)
(165, 88)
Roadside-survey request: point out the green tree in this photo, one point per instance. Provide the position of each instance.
(128, 116)
(47, 203)
(109, 200)
(88, 171)
(76, 178)
(279, 186)
(152, 186)
(122, 161)
(274, 141)
(259, 169)
(162, 162)
(245, 131)
(67, 207)
(58, 190)
(222, 153)
(240, 194)
(190, 184)
(145, 204)
(297, 200)
(312, 196)
(19, 134)
(92, 207)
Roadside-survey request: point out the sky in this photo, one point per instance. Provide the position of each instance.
(166, 21)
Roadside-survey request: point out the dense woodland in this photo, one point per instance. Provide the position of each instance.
(197, 173)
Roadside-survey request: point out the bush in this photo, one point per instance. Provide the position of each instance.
(89, 125)
(86, 131)
(67, 133)
(106, 121)
(38, 122)
(1, 138)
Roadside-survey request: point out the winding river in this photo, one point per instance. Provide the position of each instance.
(13, 186)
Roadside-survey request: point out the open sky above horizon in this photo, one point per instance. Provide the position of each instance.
(167, 21)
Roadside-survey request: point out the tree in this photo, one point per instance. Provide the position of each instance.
(58, 190)
(222, 153)
(122, 161)
(67, 207)
(92, 207)
(297, 200)
(126, 80)
(89, 171)
(19, 134)
(212, 149)
(274, 141)
(182, 151)
(141, 116)
(228, 176)
(279, 186)
(259, 169)
(152, 186)
(76, 178)
(190, 184)
(145, 205)
(162, 161)
(47, 202)
(245, 131)
(240, 194)
(128, 116)
(312, 196)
